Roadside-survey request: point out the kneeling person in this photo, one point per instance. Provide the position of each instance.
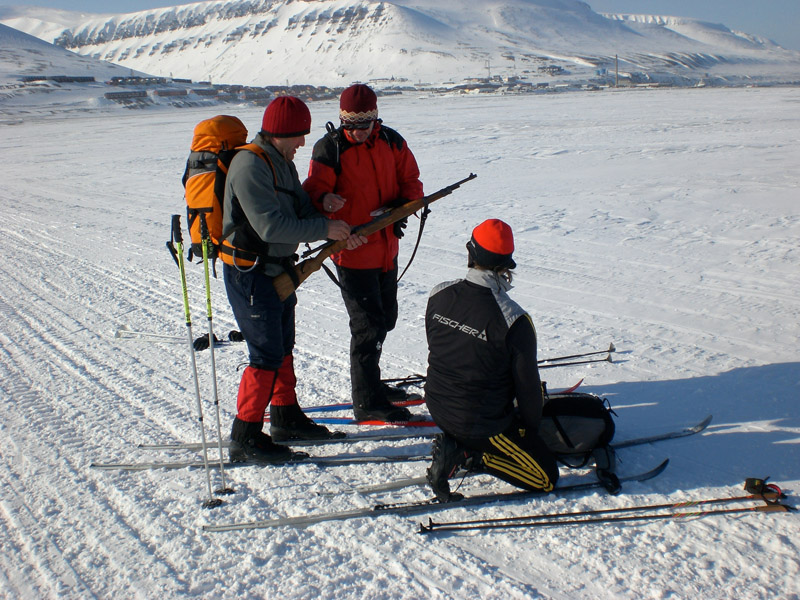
(482, 357)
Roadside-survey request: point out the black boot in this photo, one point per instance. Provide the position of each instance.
(250, 444)
(448, 458)
(395, 393)
(291, 423)
(378, 408)
(381, 411)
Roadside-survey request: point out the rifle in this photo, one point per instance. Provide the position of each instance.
(284, 284)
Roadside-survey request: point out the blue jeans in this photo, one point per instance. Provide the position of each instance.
(266, 323)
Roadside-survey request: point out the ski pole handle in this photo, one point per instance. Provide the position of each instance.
(176, 229)
(204, 233)
(205, 236)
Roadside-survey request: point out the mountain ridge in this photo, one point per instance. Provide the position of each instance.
(335, 42)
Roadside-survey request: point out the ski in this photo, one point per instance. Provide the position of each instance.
(413, 400)
(408, 508)
(640, 441)
(123, 333)
(388, 486)
(351, 439)
(381, 436)
(414, 379)
(306, 460)
(410, 402)
(572, 388)
(671, 435)
(417, 422)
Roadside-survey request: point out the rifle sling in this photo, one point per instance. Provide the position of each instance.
(422, 218)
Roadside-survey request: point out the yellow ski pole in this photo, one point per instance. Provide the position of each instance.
(175, 247)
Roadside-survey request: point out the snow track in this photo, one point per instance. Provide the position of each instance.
(665, 222)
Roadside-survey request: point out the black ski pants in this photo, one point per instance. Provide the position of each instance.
(518, 457)
(370, 297)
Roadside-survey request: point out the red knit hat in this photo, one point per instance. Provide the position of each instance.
(492, 244)
(286, 116)
(358, 104)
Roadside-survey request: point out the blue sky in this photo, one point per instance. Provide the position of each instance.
(778, 20)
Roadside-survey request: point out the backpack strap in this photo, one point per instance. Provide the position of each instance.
(259, 151)
(245, 260)
(336, 138)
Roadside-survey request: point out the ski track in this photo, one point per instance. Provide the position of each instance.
(607, 251)
(68, 511)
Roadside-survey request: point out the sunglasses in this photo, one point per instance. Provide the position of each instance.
(357, 126)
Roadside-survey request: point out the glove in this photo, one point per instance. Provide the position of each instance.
(201, 343)
(235, 336)
(398, 227)
(397, 202)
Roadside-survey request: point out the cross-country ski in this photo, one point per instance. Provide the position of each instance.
(640, 441)
(408, 508)
(214, 462)
(373, 458)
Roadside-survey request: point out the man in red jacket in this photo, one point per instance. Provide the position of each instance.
(357, 169)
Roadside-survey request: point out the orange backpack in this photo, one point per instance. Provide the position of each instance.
(213, 147)
(216, 141)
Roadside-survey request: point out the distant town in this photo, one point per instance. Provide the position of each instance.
(138, 91)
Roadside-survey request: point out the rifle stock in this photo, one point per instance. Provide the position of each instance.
(285, 286)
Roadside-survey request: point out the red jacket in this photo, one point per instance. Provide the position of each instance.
(369, 176)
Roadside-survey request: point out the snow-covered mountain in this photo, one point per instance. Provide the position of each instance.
(23, 54)
(37, 77)
(334, 42)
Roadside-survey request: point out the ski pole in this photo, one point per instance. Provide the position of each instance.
(175, 247)
(611, 349)
(605, 515)
(623, 519)
(206, 239)
(577, 362)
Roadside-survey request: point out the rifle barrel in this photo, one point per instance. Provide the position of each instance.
(285, 286)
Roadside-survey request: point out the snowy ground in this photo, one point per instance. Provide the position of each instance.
(664, 221)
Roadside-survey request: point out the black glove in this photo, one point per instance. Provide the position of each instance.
(398, 227)
(235, 336)
(201, 343)
(397, 202)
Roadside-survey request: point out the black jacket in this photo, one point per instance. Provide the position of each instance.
(482, 355)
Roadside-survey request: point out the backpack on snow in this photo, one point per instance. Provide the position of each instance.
(579, 428)
(213, 147)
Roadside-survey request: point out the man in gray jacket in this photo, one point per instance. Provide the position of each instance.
(266, 215)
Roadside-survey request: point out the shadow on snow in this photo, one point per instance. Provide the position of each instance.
(755, 431)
